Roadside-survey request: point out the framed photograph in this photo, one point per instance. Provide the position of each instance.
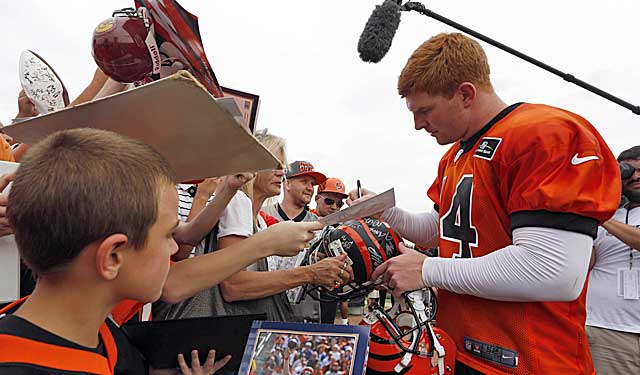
(248, 104)
(280, 348)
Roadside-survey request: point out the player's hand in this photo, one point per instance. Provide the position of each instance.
(210, 365)
(5, 228)
(288, 238)
(353, 196)
(402, 273)
(331, 272)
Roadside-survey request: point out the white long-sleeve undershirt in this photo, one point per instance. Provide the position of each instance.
(542, 264)
(416, 227)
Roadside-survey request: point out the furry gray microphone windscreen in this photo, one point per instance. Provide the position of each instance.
(378, 33)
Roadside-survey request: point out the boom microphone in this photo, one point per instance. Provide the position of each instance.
(378, 33)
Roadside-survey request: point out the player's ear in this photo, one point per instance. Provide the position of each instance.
(110, 255)
(467, 92)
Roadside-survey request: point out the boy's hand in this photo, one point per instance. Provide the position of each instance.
(210, 365)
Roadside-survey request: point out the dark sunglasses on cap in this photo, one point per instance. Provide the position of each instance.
(329, 202)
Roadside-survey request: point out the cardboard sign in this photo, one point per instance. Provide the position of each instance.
(176, 116)
(9, 256)
(369, 207)
(161, 341)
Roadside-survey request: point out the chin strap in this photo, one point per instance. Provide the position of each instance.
(416, 299)
(439, 349)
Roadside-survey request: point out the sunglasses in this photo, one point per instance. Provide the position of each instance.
(329, 202)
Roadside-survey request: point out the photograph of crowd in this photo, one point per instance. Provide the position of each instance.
(282, 353)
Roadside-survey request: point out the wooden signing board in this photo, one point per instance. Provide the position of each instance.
(176, 116)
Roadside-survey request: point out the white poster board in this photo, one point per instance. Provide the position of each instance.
(9, 256)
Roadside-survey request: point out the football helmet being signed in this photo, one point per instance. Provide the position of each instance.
(368, 242)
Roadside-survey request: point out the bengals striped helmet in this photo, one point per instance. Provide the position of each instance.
(368, 242)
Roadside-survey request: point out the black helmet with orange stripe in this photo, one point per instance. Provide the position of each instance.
(368, 242)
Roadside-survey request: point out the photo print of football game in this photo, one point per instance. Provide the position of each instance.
(294, 353)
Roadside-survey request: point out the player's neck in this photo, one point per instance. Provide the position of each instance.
(73, 312)
(486, 107)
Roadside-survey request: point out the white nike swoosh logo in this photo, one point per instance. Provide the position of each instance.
(575, 160)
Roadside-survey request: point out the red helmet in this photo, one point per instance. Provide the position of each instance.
(403, 341)
(368, 242)
(124, 46)
(307, 370)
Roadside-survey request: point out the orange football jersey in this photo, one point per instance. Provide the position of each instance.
(531, 166)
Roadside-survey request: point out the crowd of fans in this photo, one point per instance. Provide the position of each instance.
(236, 249)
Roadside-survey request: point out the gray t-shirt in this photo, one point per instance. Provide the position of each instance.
(308, 309)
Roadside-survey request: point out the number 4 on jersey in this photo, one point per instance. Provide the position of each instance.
(456, 224)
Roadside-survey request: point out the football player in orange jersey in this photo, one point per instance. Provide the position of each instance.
(518, 199)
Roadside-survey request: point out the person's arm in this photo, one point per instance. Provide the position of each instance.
(202, 216)
(109, 88)
(249, 285)
(184, 235)
(96, 84)
(420, 228)
(542, 264)
(626, 233)
(193, 275)
(200, 224)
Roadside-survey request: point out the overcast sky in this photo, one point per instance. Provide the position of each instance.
(340, 113)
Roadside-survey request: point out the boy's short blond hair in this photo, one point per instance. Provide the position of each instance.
(82, 185)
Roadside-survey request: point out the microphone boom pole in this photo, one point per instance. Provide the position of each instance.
(420, 8)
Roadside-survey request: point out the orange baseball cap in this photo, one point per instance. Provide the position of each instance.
(332, 185)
